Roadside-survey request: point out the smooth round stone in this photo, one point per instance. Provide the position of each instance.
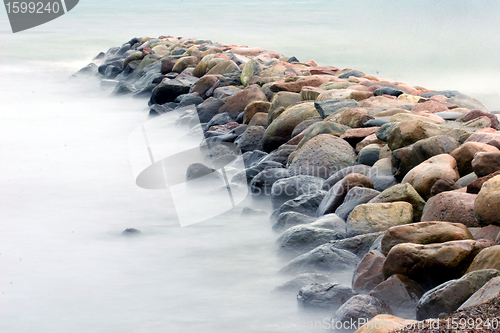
(376, 122)
(387, 91)
(351, 73)
(384, 131)
(369, 155)
(448, 115)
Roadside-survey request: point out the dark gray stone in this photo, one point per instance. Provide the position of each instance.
(301, 280)
(290, 188)
(329, 296)
(303, 238)
(384, 130)
(360, 306)
(322, 259)
(326, 108)
(447, 297)
(306, 203)
(339, 175)
(355, 196)
(208, 109)
(262, 183)
(387, 91)
(290, 219)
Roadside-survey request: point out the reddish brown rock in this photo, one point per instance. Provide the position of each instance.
(423, 176)
(431, 264)
(355, 117)
(476, 185)
(255, 107)
(368, 140)
(391, 112)
(431, 107)
(424, 233)
(360, 95)
(297, 86)
(491, 138)
(167, 65)
(239, 101)
(204, 84)
(368, 273)
(323, 71)
(451, 207)
(485, 163)
(465, 153)
(443, 185)
(400, 294)
(489, 232)
(354, 134)
(474, 114)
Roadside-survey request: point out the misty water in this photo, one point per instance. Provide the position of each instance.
(67, 186)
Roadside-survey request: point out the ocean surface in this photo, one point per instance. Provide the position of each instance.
(66, 186)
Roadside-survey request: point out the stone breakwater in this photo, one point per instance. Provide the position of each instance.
(396, 186)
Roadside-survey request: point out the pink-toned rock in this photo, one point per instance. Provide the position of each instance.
(465, 154)
(431, 106)
(431, 116)
(474, 114)
(475, 186)
(354, 117)
(271, 54)
(360, 95)
(368, 273)
(368, 140)
(311, 63)
(324, 71)
(204, 84)
(489, 232)
(451, 207)
(423, 176)
(485, 163)
(385, 101)
(355, 135)
(489, 136)
(314, 81)
(248, 52)
(391, 112)
(239, 101)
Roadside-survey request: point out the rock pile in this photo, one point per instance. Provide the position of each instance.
(397, 185)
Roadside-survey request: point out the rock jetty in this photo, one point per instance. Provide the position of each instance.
(397, 186)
